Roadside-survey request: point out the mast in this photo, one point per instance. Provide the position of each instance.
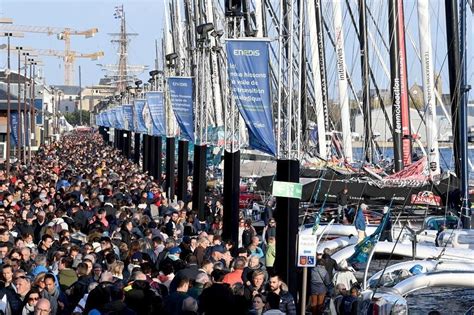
(463, 112)
(406, 132)
(428, 87)
(395, 87)
(364, 56)
(122, 67)
(342, 79)
(321, 109)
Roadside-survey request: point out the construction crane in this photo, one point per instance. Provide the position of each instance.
(63, 33)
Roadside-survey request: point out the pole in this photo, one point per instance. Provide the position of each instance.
(181, 190)
(19, 105)
(25, 126)
(463, 112)
(303, 291)
(33, 110)
(8, 111)
(170, 164)
(80, 97)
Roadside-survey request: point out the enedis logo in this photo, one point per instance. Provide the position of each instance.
(247, 52)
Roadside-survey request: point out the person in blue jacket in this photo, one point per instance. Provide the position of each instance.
(359, 222)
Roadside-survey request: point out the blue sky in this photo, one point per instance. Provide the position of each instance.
(143, 17)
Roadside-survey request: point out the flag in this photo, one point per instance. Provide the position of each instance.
(317, 219)
(118, 12)
(363, 249)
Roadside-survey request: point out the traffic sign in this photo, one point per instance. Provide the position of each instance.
(307, 250)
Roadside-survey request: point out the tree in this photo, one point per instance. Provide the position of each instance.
(74, 118)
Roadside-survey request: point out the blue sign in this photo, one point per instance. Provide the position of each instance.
(111, 118)
(127, 117)
(181, 95)
(139, 122)
(14, 128)
(39, 111)
(248, 63)
(119, 117)
(156, 106)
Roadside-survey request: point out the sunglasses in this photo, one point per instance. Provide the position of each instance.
(33, 299)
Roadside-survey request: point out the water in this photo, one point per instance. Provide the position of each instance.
(446, 157)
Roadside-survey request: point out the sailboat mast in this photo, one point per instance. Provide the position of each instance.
(364, 56)
(321, 112)
(428, 87)
(405, 106)
(342, 80)
(395, 89)
(463, 112)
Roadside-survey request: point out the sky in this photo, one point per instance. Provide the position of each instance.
(142, 16)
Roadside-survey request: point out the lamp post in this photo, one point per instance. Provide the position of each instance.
(8, 72)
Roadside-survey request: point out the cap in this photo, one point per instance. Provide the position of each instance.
(97, 266)
(219, 249)
(30, 215)
(175, 250)
(137, 256)
(363, 206)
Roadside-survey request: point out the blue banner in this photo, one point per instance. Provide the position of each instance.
(14, 128)
(111, 118)
(138, 121)
(119, 117)
(127, 117)
(39, 111)
(248, 69)
(98, 119)
(156, 106)
(181, 95)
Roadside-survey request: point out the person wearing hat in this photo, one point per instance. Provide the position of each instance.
(217, 253)
(359, 222)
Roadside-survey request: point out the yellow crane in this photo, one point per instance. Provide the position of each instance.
(63, 33)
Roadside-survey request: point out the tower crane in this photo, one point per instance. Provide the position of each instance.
(63, 33)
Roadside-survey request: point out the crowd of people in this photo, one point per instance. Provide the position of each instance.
(84, 231)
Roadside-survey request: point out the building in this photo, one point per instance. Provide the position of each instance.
(68, 98)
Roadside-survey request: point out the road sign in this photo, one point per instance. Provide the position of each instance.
(287, 189)
(307, 250)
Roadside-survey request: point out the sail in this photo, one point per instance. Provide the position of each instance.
(428, 87)
(318, 90)
(342, 80)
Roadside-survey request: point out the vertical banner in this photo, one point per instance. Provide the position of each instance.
(181, 95)
(14, 128)
(111, 118)
(39, 111)
(248, 69)
(155, 102)
(139, 122)
(98, 119)
(128, 117)
(119, 117)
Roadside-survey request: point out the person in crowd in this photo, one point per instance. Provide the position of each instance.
(342, 201)
(359, 222)
(258, 305)
(319, 286)
(287, 303)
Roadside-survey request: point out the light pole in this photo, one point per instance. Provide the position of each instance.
(8, 72)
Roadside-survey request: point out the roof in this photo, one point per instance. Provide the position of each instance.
(68, 89)
(13, 77)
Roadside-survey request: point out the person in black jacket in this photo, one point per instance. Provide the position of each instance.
(342, 201)
(287, 303)
(329, 263)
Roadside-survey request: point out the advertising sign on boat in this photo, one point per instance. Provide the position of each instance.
(248, 69)
(427, 198)
(181, 95)
(307, 245)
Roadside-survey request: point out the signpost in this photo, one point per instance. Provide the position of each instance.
(307, 245)
(287, 189)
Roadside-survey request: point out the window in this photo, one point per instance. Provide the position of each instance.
(67, 108)
(70, 98)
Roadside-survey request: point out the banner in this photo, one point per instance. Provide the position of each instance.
(156, 106)
(111, 118)
(138, 121)
(248, 64)
(39, 111)
(127, 117)
(181, 95)
(14, 128)
(119, 117)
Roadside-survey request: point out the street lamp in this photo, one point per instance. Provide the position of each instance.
(7, 73)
